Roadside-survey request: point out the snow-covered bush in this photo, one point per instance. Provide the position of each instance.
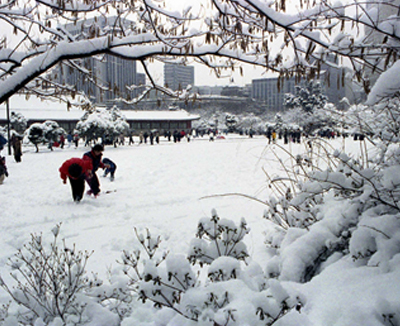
(218, 237)
(46, 132)
(308, 97)
(231, 122)
(336, 205)
(51, 286)
(251, 122)
(52, 131)
(36, 134)
(18, 122)
(106, 124)
(309, 109)
(219, 289)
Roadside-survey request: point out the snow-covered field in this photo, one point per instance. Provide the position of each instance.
(167, 188)
(158, 187)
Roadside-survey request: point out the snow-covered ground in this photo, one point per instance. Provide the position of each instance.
(166, 189)
(158, 187)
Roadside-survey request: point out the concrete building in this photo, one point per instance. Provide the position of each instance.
(112, 72)
(334, 81)
(177, 77)
(267, 90)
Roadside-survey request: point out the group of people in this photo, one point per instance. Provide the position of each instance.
(79, 170)
(154, 136)
(293, 136)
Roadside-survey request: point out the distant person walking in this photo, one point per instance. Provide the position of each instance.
(76, 170)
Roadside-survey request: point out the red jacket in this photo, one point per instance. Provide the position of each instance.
(64, 168)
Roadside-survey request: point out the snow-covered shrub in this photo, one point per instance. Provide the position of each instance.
(51, 285)
(106, 124)
(250, 122)
(216, 238)
(308, 97)
(212, 286)
(231, 122)
(18, 122)
(36, 134)
(52, 131)
(41, 133)
(331, 204)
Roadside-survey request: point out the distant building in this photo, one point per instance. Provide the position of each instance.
(178, 77)
(141, 120)
(334, 81)
(112, 72)
(236, 91)
(140, 79)
(267, 90)
(208, 90)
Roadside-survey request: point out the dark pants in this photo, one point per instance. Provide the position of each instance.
(94, 184)
(77, 187)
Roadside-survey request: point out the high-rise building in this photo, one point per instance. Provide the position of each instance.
(112, 73)
(178, 77)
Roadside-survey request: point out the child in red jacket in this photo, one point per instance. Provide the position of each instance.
(77, 170)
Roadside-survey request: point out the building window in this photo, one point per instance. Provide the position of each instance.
(146, 125)
(155, 125)
(165, 125)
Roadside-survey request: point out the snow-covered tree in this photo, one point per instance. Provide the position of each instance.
(231, 122)
(278, 126)
(250, 122)
(308, 96)
(52, 131)
(120, 126)
(18, 122)
(306, 106)
(106, 124)
(46, 132)
(36, 134)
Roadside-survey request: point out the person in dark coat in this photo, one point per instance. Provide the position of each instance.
(76, 170)
(3, 169)
(94, 160)
(151, 138)
(111, 169)
(17, 147)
